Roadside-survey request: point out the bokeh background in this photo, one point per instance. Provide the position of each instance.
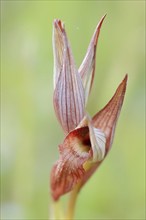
(30, 131)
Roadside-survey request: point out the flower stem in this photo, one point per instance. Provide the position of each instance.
(72, 202)
(56, 211)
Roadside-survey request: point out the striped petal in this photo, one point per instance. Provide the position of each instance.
(87, 68)
(69, 99)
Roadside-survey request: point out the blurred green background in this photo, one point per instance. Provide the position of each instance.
(30, 131)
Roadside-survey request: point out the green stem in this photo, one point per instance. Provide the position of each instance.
(72, 202)
(74, 194)
(56, 211)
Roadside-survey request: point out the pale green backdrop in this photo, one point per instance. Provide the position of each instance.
(30, 131)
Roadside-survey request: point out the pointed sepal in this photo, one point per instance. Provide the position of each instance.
(69, 98)
(106, 119)
(87, 68)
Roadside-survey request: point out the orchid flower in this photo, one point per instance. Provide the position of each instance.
(87, 139)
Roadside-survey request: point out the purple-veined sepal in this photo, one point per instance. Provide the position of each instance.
(106, 120)
(87, 67)
(69, 98)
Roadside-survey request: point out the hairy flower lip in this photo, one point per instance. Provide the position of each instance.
(68, 169)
